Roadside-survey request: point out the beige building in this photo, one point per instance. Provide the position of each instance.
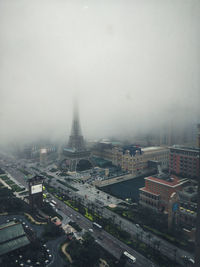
(132, 158)
(139, 160)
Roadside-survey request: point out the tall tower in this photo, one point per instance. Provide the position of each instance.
(75, 153)
(76, 141)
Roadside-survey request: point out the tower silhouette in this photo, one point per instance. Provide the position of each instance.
(76, 151)
(76, 141)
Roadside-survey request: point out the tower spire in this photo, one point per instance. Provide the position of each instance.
(76, 141)
(75, 156)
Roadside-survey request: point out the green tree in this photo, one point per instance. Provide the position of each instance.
(85, 254)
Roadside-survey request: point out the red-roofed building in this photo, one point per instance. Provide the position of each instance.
(157, 191)
(56, 221)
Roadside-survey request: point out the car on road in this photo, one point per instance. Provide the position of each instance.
(91, 230)
(137, 225)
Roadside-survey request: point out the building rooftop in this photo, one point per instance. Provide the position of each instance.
(12, 236)
(152, 148)
(69, 149)
(170, 181)
(179, 147)
(43, 150)
(189, 191)
(133, 149)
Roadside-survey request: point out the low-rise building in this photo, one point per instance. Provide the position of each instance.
(158, 190)
(187, 212)
(12, 237)
(134, 158)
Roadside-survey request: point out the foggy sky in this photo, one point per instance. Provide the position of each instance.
(134, 66)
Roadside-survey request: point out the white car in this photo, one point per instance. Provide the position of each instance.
(91, 230)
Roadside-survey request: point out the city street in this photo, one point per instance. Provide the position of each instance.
(107, 241)
(114, 246)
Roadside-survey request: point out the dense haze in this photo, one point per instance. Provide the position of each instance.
(134, 66)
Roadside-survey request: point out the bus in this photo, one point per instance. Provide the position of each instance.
(53, 202)
(52, 205)
(130, 257)
(97, 226)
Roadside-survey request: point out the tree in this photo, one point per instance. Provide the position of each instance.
(85, 254)
(52, 231)
(141, 235)
(175, 251)
(149, 236)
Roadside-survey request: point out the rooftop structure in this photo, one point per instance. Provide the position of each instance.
(151, 148)
(189, 192)
(165, 180)
(12, 237)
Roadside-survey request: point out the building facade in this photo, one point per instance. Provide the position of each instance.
(158, 190)
(139, 159)
(184, 161)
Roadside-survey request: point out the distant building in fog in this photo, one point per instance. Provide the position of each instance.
(132, 158)
(43, 157)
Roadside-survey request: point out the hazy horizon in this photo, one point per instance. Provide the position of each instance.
(134, 67)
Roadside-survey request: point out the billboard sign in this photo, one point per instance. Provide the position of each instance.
(36, 188)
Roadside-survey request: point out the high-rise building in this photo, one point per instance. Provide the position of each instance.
(43, 157)
(184, 161)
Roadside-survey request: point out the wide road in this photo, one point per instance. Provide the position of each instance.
(165, 248)
(104, 239)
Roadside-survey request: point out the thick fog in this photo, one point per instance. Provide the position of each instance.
(133, 65)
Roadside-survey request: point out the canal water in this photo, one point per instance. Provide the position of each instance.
(126, 189)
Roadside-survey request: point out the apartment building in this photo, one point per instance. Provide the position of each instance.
(184, 161)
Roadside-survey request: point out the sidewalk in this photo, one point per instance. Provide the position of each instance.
(63, 248)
